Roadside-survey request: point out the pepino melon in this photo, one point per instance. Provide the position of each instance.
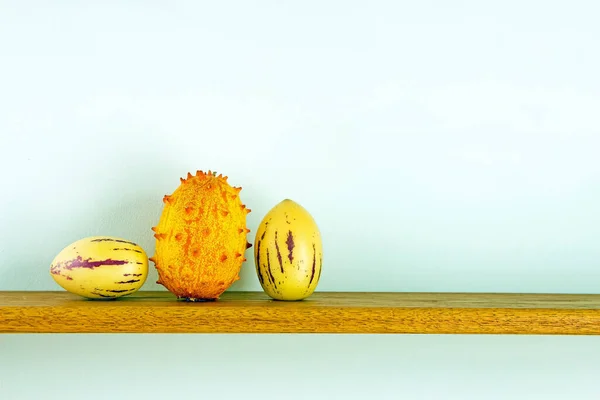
(288, 252)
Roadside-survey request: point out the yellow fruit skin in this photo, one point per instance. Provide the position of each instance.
(201, 237)
(288, 252)
(101, 267)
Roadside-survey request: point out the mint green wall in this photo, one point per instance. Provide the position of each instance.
(441, 146)
(299, 367)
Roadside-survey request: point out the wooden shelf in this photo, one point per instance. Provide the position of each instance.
(324, 312)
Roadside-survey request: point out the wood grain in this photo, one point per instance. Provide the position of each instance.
(324, 312)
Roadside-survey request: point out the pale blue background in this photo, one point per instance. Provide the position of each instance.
(441, 146)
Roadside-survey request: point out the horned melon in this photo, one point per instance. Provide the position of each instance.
(201, 237)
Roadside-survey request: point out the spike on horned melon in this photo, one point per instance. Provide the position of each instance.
(201, 237)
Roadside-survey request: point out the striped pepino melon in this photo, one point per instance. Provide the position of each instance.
(288, 252)
(201, 237)
(100, 267)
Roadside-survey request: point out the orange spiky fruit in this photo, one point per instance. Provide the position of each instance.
(201, 237)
